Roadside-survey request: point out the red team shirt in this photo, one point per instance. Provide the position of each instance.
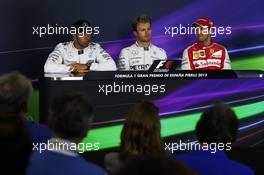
(200, 57)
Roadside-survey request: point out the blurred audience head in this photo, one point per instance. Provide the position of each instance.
(15, 145)
(154, 165)
(219, 124)
(71, 116)
(15, 93)
(141, 131)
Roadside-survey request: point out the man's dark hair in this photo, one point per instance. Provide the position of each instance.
(15, 92)
(71, 115)
(219, 124)
(81, 23)
(140, 19)
(15, 145)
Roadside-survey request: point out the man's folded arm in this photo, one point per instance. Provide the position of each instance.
(104, 62)
(54, 63)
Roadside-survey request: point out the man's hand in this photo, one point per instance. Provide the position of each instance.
(76, 67)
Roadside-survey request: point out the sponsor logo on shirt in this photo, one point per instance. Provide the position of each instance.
(200, 64)
(202, 53)
(207, 63)
(196, 55)
(135, 62)
(134, 52)
(139, 67)
(199, 54)
(217, 54)
(214, 62)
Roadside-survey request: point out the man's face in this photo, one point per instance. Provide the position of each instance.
(83, 39)
(143, 32)
(203, 33)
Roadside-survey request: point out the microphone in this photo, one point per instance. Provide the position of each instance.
(89, 62)
(80, 52)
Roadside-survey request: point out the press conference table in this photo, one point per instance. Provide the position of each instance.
(112, 93)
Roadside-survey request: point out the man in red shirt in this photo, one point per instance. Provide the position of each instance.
(205, 54)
